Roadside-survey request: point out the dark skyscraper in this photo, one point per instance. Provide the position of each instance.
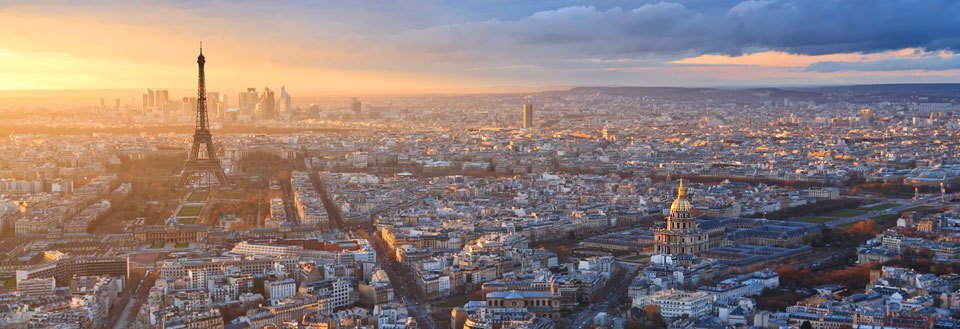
(527, 115)
(247, 101)
(268, 104)
(161, 97)
(147, 100)
(355, 105)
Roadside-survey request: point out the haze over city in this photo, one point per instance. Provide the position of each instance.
(425, 164)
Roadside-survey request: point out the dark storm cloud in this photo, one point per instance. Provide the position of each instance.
(826, 26)
(675, 29)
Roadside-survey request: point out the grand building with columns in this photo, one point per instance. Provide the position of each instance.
(681, 235)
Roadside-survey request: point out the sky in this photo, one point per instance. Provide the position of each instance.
(432, 46)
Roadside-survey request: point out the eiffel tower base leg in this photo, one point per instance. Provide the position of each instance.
(208, 170)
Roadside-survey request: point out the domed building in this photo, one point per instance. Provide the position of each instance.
(681, 235)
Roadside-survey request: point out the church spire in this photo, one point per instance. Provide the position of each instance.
(681, 191)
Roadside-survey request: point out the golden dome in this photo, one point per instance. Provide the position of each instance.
(681, 204)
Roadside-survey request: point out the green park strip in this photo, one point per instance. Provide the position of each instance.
(189, 211)
(198, 196)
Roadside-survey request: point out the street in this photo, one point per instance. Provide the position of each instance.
(132, 305)
(409, 294)
(583, 318)
(333, 211)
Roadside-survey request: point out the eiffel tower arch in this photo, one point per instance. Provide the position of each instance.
(202, 166)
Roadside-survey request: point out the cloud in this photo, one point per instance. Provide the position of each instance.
(766, 59)
(670, 29)
(488, 42)
(514, 33)
(907, 59)
(925, 63)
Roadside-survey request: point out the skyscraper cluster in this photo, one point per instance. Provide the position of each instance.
(251, 105)
(155, 99)
(157, 106)
(262, 106)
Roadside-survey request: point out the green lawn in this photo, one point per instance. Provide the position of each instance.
(188, 221)
(198, 196)
(887, 220)
(156, 246)
(189, 211)
(883, 221)
(880, 207)
(816, 220)
(182, 245)
(10, 282)
(845, 213)
(918, 208)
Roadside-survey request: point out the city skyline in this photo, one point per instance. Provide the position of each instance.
(428, 164)
(440, 47)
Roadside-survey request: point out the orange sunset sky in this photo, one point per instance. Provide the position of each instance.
(342, 47)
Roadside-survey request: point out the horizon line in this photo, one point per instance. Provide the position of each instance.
(479, 90)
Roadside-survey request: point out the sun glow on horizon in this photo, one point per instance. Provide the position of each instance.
(50, 46)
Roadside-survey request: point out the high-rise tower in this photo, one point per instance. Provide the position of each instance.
(284, 103)
(268, 105)
(202, 166)
(355, 105)
(527, 115)
(248, 102)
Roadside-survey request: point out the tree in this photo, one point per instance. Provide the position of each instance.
(791, 277)
(864, 228)
(654, 319)
(806, 325)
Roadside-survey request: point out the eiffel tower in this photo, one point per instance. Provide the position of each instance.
(202, 166)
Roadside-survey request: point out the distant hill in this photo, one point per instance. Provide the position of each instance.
(934, 92)
(679, 93)
(919, 89)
